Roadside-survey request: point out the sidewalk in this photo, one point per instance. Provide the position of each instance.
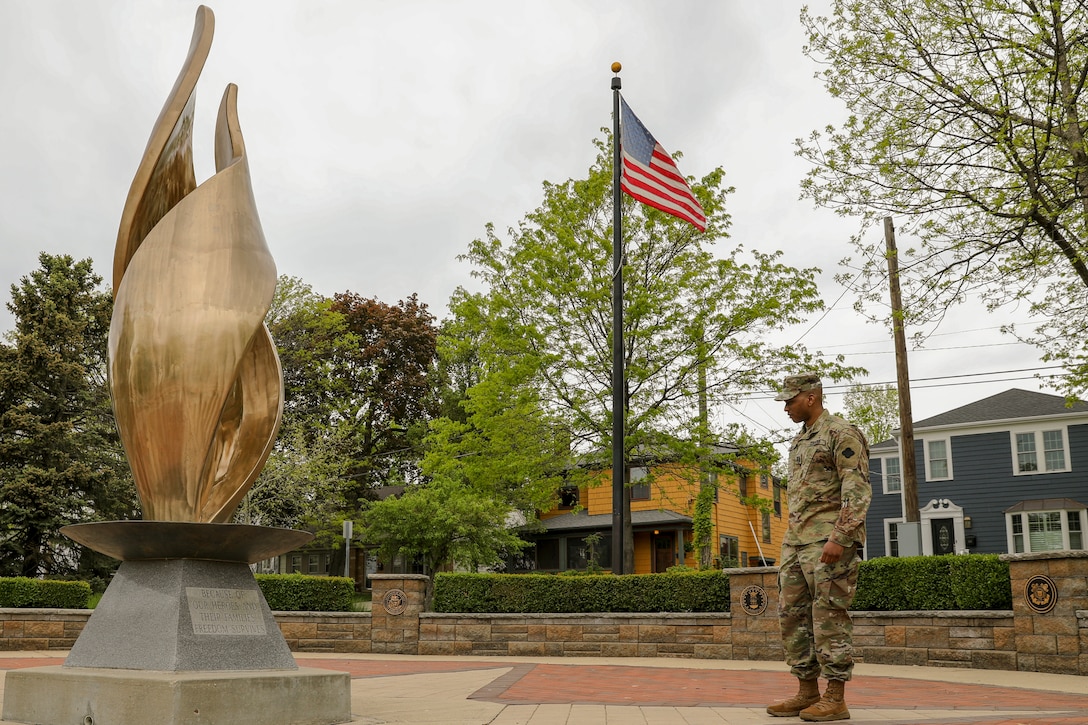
(423, 690)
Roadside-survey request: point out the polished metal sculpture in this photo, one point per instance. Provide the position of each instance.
(198, 394)
(196, 383)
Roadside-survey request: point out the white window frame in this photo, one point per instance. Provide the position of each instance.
(926, 442)
(1040, 452)
(637, 474)
(884, 473)
(888, 523)
(1082, 515)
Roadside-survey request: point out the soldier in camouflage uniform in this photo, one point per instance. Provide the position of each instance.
(828, 494)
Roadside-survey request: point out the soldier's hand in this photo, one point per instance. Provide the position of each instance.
(832, 552)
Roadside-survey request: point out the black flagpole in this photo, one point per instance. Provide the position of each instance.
(618, 383)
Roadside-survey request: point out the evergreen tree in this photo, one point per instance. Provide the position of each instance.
(61, 460)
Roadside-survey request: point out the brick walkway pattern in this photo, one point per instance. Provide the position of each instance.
(531, 683)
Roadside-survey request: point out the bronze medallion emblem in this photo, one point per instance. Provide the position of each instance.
(395, 601)
(754, 600)
(1041, 593)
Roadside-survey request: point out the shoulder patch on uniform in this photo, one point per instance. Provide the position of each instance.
(848, 453)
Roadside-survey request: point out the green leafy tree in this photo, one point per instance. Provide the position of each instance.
(695, 323)
(312, 341)
(61, 460)
(439, 523)
(966, 123)
(358, 394)
(696, 326)
(874, 409)
(457, 370)
(390, 388)
(300, 485)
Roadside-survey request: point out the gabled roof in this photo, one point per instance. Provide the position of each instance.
(583, 521)
(1009, 405)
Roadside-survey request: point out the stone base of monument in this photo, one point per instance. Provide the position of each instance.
(182, 635)
(182, 614)
(94, 696)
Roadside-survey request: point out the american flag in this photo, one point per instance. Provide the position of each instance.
(651, 176)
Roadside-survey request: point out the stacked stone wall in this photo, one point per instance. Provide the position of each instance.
(1046, 631)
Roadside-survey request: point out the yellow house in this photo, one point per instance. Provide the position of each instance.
(744, 518)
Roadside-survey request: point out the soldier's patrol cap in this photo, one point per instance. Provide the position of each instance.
(793, 385)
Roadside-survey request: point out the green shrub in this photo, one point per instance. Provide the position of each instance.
(877, 589)
(48, 593)
(981, 581)
(933, 583)
(692, 591)
(301, 593)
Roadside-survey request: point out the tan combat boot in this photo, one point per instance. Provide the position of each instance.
(832, 706)
(808, 693)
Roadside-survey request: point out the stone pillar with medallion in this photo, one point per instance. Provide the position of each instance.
(753, 602)
(397, 601)
(1050, 611)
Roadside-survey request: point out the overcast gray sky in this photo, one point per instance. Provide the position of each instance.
(383, 136)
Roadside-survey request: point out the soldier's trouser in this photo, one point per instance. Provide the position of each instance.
(813, 611)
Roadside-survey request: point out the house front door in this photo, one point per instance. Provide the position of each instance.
(944, 536)
(663, 553)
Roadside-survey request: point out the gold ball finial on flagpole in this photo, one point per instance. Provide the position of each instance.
(616, 67)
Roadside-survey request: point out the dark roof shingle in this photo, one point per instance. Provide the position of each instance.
(1009, 405)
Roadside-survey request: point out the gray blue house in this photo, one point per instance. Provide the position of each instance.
(1005, 474)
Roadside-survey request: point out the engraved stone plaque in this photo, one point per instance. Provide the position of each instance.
(225, 611)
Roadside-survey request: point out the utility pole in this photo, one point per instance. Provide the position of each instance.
(906, 420)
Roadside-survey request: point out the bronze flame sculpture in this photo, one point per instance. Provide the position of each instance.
(198, 394)
(196, 383)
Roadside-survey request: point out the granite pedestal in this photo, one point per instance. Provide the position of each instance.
(182, 614)
(179, 641)
(96, 696)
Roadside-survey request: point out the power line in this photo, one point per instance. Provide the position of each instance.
(980, 382)
(938, 349)
(967, 375)
(827, 312)
(763, 394)
(935, 334)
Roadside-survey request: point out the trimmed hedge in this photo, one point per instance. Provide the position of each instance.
(950, 582)
(885, 584)
(301, 593)
(43, 593)
(701, 591)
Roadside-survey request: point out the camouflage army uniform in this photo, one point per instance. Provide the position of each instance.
(828, 494)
